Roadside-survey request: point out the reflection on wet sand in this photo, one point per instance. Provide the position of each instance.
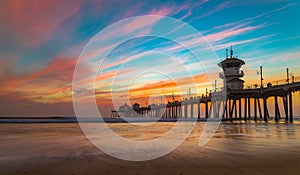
(236, 148)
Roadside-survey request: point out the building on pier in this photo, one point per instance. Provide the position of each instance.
(232, 74)
(125, 110)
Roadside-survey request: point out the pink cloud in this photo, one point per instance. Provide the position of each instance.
(140, 25)
(229, 33)
(220, 7)
(222, 46)
(162, 12)
(135, 25)
(133, 10)
(178, 8)
(214, 37)
(33, 22)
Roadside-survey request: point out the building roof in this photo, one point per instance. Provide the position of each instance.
(228, 60)
(136, 104)
(124, 107)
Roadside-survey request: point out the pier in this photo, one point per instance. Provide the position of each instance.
(236, 102)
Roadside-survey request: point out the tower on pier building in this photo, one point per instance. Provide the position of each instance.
(232, 72)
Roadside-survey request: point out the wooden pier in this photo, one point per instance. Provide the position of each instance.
(239, 104)
(238, 101)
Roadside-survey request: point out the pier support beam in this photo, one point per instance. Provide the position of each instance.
(259, 108)
(210, 109)
(249, 108)
(240, 108)
(168, 111)
(226, 108)
(176, 109)
(180, 111)
(285, 104)
(230, 108)
(255, 109)
(233, 108)
(276, 109)
(219, 103)
(215, 109)
(173, 111)
(291, 106)
(206, 109)
(265, 109)
(245, 108)
(192, 110)
(185, 111)
(198, 109)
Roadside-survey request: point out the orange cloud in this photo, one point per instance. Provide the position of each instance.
(51, 84)
(61, 69)
(166, 88)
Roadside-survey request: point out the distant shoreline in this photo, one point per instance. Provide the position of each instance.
(58, 119)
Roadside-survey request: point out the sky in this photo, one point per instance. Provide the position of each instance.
(42, 41)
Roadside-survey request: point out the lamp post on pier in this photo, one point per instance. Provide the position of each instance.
(261, 78)
(287, 75)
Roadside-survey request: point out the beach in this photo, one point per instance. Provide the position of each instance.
(236, 148)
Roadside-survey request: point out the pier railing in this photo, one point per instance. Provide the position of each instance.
(273, 83)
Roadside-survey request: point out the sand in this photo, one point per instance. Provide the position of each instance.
(234, 149)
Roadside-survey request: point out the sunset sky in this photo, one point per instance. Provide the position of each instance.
(41, 42)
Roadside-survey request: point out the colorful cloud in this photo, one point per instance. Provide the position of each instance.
(42, 40)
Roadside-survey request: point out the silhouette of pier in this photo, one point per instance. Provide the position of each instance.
(237, 101)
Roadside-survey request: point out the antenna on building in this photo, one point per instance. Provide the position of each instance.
(226, 53)
(231, 52)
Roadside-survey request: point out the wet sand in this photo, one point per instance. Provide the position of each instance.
(235, 149)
